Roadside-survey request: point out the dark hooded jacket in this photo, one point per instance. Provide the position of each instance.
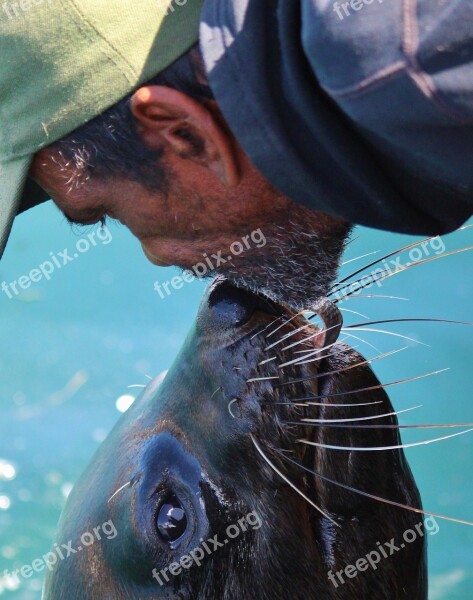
(361, 109)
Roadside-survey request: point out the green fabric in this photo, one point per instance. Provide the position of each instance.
(62, 62)
(12, 180)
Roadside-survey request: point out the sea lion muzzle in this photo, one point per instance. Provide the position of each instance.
(214, 492)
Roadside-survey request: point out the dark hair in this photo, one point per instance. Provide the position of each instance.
(110, 145)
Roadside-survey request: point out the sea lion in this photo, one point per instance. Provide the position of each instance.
(213, 495)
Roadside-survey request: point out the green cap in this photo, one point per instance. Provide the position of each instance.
(63, 62)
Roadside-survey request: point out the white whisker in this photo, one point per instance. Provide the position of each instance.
(347, 262)
(264, 328)
(311, 357)
(286, 322)
(288, 335)
(263, 362)
(398, 412)
(382, 448)
(404, 337)
(310, 337)
(330, 405)
(118, 491)
(355, 337)
(289, 482)
(354, 312)
(354, 366)
(345, 298)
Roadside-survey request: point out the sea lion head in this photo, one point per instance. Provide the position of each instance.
(204, 489)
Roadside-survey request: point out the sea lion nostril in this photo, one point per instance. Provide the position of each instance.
(233, 307)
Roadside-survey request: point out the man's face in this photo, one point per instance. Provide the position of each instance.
(209, 202)
(196, 213)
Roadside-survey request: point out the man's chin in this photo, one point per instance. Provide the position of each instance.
(155, 260)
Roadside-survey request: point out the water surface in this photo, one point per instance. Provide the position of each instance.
(70, 348)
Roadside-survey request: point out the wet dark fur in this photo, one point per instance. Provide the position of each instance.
(186, 420)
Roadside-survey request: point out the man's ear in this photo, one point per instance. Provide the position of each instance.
(180, 124)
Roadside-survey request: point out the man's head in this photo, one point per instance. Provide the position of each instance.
(63, 62)
(164, 162)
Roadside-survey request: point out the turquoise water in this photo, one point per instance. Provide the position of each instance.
(70, 348)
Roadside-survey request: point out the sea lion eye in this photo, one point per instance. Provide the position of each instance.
(171, 520)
